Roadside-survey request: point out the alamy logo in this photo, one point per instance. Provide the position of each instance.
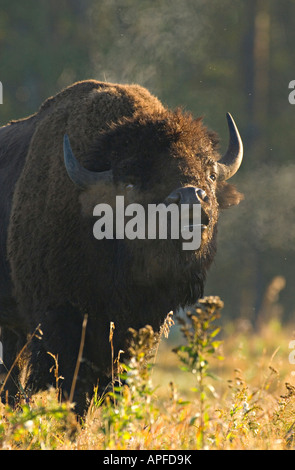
(158, 221)
(1, 93)
(291, 96)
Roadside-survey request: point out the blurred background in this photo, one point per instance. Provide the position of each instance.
(209, 57)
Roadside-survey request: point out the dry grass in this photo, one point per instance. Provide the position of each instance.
(244, 401)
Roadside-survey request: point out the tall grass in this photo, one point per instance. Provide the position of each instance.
(216, 390)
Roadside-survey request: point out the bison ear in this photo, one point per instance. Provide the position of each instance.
(227, 195)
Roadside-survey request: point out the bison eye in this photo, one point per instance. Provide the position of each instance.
(213, 176)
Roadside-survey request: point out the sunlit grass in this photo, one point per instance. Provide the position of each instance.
(232, 389)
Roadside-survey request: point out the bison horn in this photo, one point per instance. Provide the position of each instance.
(229, 164)
(80, 175)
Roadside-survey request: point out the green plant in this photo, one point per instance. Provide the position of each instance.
(129, 402)
(200, 331)
(44, 424)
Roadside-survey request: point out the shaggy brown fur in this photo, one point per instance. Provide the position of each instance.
(59, 271)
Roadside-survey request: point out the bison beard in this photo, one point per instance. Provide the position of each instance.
(54, 271)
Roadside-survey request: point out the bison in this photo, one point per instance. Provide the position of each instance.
(88, 144)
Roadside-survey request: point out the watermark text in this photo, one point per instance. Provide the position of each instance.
(291, 96)
(157, 221)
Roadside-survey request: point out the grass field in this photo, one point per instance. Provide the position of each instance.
(232, 388)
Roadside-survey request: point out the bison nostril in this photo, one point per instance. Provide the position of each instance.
(201, 194)
(187, 195)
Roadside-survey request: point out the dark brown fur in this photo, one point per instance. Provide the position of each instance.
(59, 271)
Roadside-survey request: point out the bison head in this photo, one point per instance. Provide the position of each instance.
(171, 159)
